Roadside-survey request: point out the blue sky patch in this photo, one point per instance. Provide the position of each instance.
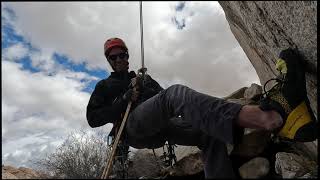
(26, 65)
(7, 33)
(99, 73)
(10, 37)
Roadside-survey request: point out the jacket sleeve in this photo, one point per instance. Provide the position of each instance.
(151, 88)
(102, 109)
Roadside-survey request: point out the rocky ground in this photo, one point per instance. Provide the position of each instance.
(9, 172)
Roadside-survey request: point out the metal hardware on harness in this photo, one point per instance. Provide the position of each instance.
(169, 156)
(121, 164)
(121, 161)
(107, 168)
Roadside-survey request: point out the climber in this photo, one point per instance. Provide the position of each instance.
(187, 117)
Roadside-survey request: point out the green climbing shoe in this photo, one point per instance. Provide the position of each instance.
(289, 98)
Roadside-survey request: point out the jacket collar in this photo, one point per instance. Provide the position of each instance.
(123, 75)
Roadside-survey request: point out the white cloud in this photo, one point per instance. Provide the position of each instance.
(15, 52)
(43, 60)
(34, 103)
(36, 92)
(79, 30)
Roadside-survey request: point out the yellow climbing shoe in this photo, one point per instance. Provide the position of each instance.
(289, 98)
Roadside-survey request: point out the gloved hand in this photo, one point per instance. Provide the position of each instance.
(131, 95)
(136, 82)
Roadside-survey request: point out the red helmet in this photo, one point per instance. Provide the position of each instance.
(113, 42)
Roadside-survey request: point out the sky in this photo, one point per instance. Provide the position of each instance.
(52, 58)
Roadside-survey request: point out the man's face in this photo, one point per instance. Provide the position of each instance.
(118, 59)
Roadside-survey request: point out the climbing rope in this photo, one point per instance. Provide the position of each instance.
(141, 35)
(142, 71)
(169, 156)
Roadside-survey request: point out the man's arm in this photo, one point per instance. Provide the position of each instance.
(101, 109)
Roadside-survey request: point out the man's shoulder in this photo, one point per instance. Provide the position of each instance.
(108, 82)
(104, 82)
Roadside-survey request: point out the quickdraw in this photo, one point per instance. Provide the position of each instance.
(169, 157)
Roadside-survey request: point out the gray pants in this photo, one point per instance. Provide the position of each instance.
(186, 117)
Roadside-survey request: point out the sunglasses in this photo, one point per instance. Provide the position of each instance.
(120, 55)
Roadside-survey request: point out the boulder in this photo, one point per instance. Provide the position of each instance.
(264, 28)
(307, 149)
(144, 164)
(253, 92)
(290, 165)
(255, 168)
(252, 144)
(188, 165)
(237, 94)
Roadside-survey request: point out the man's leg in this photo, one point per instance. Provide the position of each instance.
(210, 115)
(213, 116)
(217, 163)
(146, 124)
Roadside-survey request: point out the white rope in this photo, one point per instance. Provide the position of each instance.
(141, 34)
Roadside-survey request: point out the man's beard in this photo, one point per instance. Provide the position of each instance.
(122, 66)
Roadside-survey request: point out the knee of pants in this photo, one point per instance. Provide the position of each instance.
(172, 90)
(176, 86)
(131, 126)
(140, 128)
(152, 142)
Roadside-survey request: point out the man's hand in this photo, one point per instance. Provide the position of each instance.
(131, 95)
(136, 82)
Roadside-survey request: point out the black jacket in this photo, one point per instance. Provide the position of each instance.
(106, 105)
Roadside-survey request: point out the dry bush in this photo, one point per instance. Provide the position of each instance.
(81, 156)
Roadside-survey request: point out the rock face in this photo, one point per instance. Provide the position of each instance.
(264, 28)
